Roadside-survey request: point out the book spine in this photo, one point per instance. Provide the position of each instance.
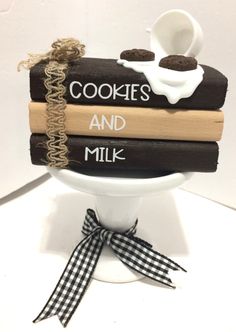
(133, 122)
(104, 82)
(127, 155)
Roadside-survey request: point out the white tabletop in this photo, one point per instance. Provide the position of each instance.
(39, 230)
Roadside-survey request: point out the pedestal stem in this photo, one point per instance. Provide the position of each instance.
(117, 213)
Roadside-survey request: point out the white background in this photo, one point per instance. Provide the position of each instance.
(106, 27)
(39, 230)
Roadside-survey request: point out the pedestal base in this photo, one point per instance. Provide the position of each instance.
(117, 202)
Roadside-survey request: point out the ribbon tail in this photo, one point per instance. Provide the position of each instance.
(143, 259)
(74, 280)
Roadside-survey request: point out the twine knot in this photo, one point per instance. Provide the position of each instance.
(67, 50)
(63, 50)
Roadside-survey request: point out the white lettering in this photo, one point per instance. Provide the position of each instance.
(76, 96)
(107, 156)
(105, 122)
(116, 122)
(133, 90)
(85, 90)
(100, 91)
(94, 123)
(103, 154)
(122, 122)
(87, 151)
(117, 89)
(105, 91)
(115, 155)
(146, 94)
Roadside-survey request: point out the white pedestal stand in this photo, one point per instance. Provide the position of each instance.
(117, 204)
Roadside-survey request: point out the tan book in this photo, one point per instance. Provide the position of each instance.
(133, 122)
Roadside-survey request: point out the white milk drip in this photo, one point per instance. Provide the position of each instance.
(173, 84)
(165, 40)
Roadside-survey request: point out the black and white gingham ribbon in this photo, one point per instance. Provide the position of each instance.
(134, 252)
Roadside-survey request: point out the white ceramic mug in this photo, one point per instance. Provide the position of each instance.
(176, 32)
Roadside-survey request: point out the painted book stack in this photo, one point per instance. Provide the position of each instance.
(117, 125)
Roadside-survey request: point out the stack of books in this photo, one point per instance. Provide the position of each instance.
(116, 125)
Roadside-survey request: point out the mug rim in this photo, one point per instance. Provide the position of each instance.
(197, 37)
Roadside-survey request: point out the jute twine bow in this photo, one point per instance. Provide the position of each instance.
(62, 53)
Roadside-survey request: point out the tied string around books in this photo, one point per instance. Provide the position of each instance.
(63, 52)
(134, 252)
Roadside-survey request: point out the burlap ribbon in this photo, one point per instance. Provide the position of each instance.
(58, 58)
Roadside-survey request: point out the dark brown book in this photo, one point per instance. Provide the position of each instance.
(104, 82)
(107, 156)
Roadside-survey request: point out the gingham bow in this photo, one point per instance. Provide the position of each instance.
(134, 252)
